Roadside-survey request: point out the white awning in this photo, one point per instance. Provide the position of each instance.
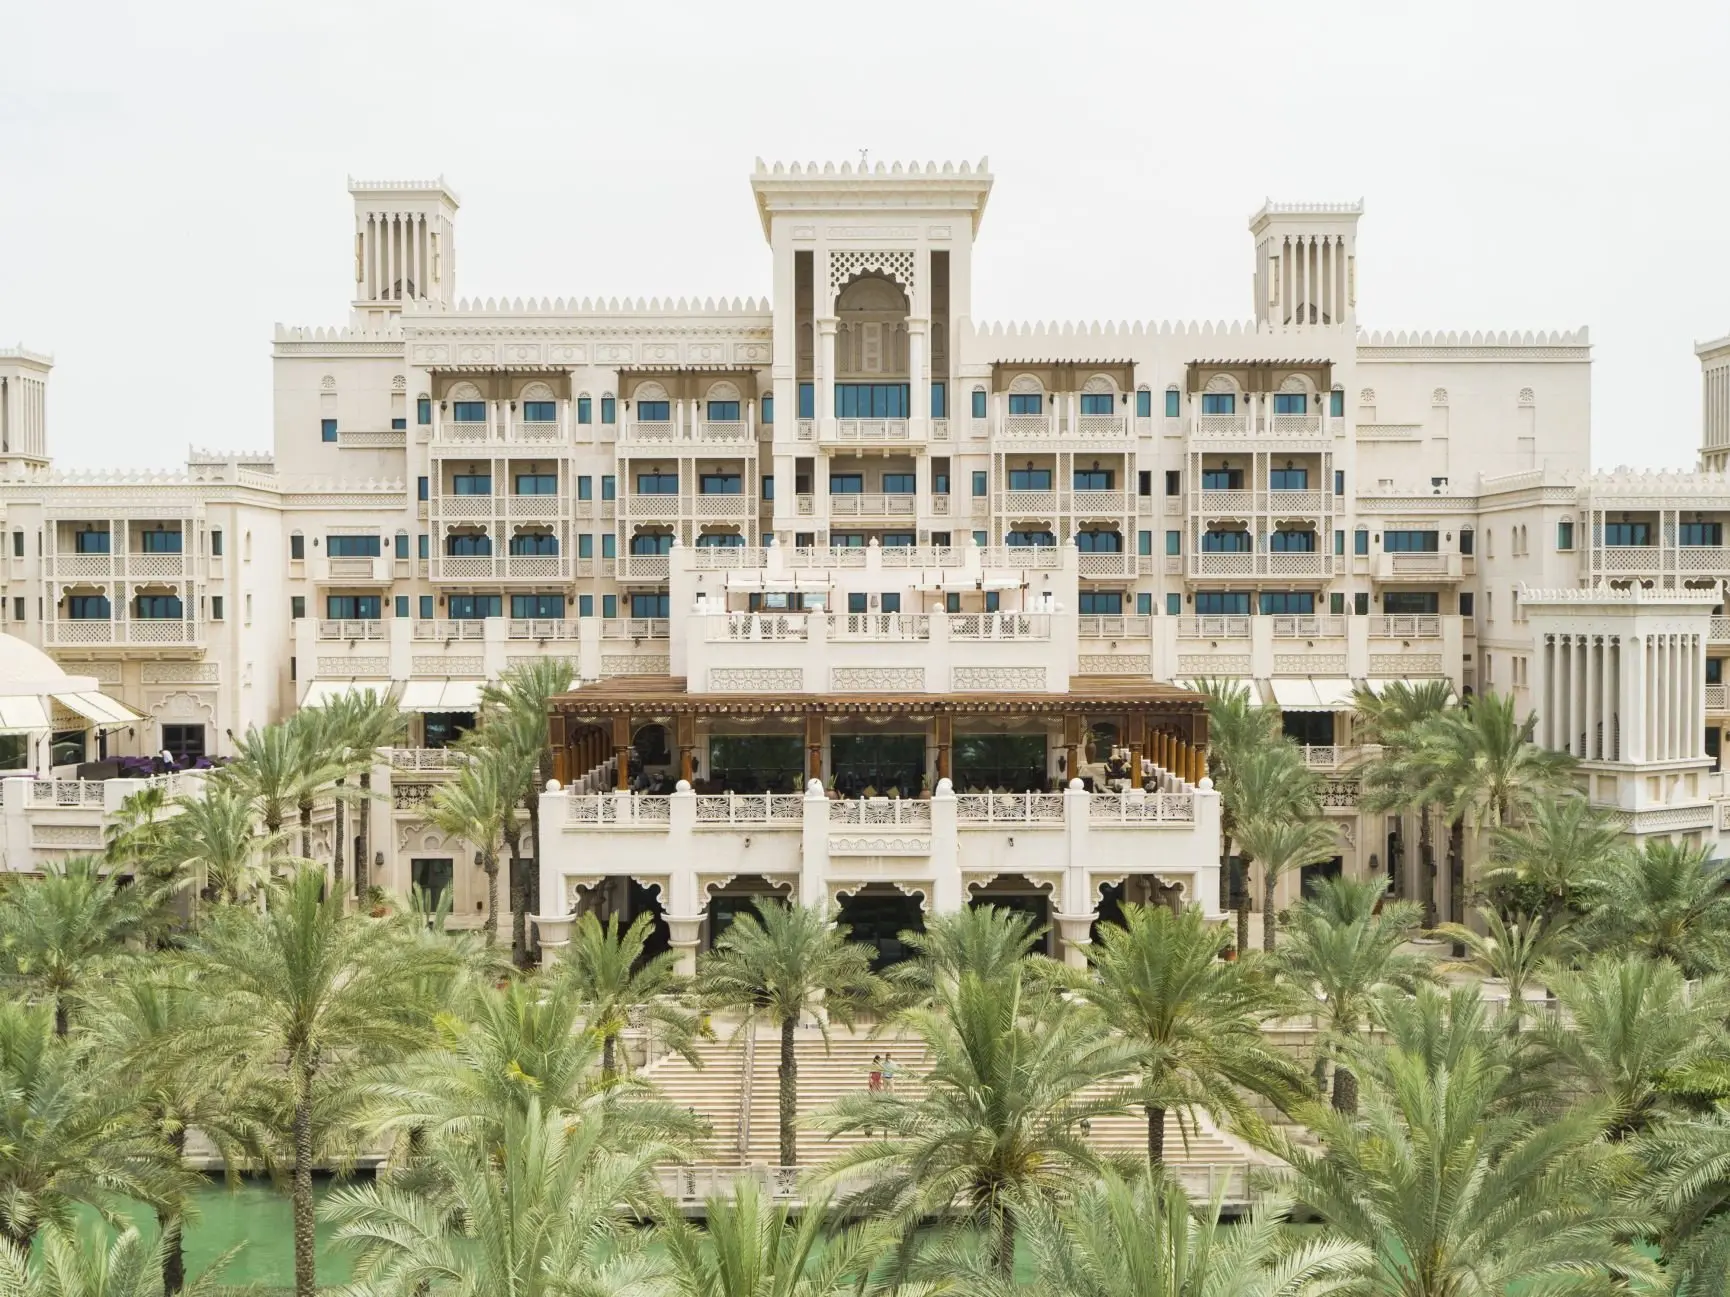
(22, 713)
(744, 580)
(1311, 695)
(321, 693)
(99, 708)
(1003, 583)
(441, 696)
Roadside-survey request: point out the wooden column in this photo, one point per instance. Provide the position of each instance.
(813, 746)
(1071, 747)
(945, 745)
(685, 725)
(1137, 728)
(622, 751)
(560, 744)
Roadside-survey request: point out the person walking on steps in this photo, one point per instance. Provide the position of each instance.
(888, 1074)
(876, 1073)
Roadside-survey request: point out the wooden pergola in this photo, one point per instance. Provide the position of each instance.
(1163, 722)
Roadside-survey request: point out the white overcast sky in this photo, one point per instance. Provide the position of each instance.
(172, 178)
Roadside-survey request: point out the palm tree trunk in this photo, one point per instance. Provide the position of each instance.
(519, 921)
(362, 820)
(1155, 1135)
(1427, 861)
(62, 1015)
(1268, 923)
(305, 1241)
(306, 830)
(789, 1077)
(336, 850)
(530, 886)
(168, 1228)
(1006, 1243)
(490, 863)
(1345, 1090)
(609, 1059)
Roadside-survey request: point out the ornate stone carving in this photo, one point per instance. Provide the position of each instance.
(1526, 397)
(1439, 396)
(399, 384)
(328, 382)
(908, 846)
(1405, 664)
(724, 680)
(1367, 396)
(1092, 664)
(1209, 664)
(1340, 792)
(1309, 664)
(373, 666)
(849, 263)
(434, 665)
(1221, 383)
(997, 679)
(878, 679)
(1099, 385)
(1025, 385)
(66, 835)
(177, 673)
(410, 797)
(108, 673)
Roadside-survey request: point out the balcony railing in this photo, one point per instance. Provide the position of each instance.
(635, 628)
(141, 631)
(999, 626)
(1720, 632)
(1308, 627)
(472, 628)
(1024, 556)
(1095, 627)
(775, 627)
(1009, 808)
(1151, 808)
(1406, 627)
(880, 812)
(751, 808)
(426, 759)
(643, 567)
(894, 626)
(1213, 627)
(539, 628)
(872, 504)
(330, 629)
(873, 431)
(709, 558)
(1715, 701)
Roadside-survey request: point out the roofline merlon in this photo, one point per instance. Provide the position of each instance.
(23, 353)
(1270, 208)
(438, 186)
(974, 181)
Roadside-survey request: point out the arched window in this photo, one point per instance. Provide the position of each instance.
(1143, 402)
(1099, 396)
(1026, 396)
(1173, 402)
(1292, 542)
(1099, 542)
(585, 408)
(539, 404)
(1220, 397)
(468, 544)
(1293, 396)
(534, 542)
(467, 405)
(979, 403)
(653, 405)
(723, 404)
(652, 542)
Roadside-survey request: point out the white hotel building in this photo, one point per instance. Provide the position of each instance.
(848, 531)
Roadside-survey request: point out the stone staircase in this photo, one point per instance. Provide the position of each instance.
(714, 1092)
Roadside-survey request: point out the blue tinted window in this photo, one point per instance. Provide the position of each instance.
(327, 429)
(1030, 479)
(1337, 403)
(652, 542)
(939, 401)
(1098, 403)
(91, 542)
(154, 607)
(1416, 542)
(1173, 402)
(979, 403)
(585, 605)
(472, 484)
(899, 483)
(1360, 541)
(807, 401)
(979, 482)
(1222, 479)
(1099, 542)
(474, 607)
(401, 606)
(724, 412)
(657, 484)
(720, 484)
(402, 544)
(1288, 479)
(721, 540)
(1020, 539)
(1288, 602)
(609, 606)
(871, 400)
(609, 545)
(540, 412)
(469, 411)
(423, 488)
(426, 607)
(585, 409)
(352, 607)
(1026, 403)
(1173, 604)
(1292, 542)
(585, 545)
(399, 424)
(1221, 603)
(88, 607)
(353, 546)
(1219, 403)
(654, 411)
(423, 410)
(1290, 403)
(1094, 479)
(160, 541)
(1100, 603)
(531, 542)
(768, 410)
(537, 483)
(609, 488)
(469, 545)
(609, 410)
(846, 484)
(1225, 542)
(537, 605)
(1144, 404)
(1144, 604)
(648, 605)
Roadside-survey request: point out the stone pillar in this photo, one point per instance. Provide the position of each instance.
(825, 411)
(814, 748)
(622, 751)
(685, 934)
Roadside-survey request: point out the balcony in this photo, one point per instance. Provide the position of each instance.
(735, 506)
(332, 629)
(142, 633)
(371, 438)
(1096, 627)
(872, 504)
(869, 432)
(1420, 568)
(642, 567)
(1213, 627)
(351, 571)
(500, 428)
(1285, 503)
(1109, 504)
(1105, 565)
(654, 506)
(1715, 700)
(1027, 504)
(537, 628)
(634, 628)
(1309, 627)
(440, 629)
(669, 434)
(1407, 627)
(1260, 564)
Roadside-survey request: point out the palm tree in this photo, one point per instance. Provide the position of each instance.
(358, 725)
(1669, 900)
(1452, 1193)
(510, 752)
(90, 1263)
(59, 931)
(1391, 718)
(1194, 1019)
(1283, 843)
(1558, 859)
(1688, 1179)
(778, 965)
(524, 692)
(269, 769)
(474, 806)
(607, 973)
(1637, 1036)
(986, 939)
(750, 1247)
(513, 1047)
(1237, 727)
(63, 1134)
(1480, 764)
(1439, 1025)
(1512, 949)
(133, 844)
(321, 995)
(142, 1025)
(1344, 949)
(1143, 1237)
(552, 1216)
(214, 838)
(1017, 1073)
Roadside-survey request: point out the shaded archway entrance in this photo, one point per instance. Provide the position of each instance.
(627, 899)
(877, 914)
(1136, 889)
(746, 894)
(1020, 894)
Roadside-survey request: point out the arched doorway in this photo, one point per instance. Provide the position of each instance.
(1022, 895)
(746, 894)
(876, 915)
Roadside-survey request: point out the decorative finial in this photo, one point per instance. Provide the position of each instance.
(864, 154)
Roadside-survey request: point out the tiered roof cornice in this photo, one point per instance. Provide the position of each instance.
(21, 352)
(438, 186)
(1491, 345)
(867, 170)
(601, 307)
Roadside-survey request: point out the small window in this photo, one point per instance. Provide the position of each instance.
(768, 411)
(423, 546)
(423, 488)
(297, 606)
(585, 488)
(1173, 482)
(1361, 541)
(1339, 481)
(1361, 604)
(585, 409)
(979, 403)
(216, 543)
(1337, 404)
(766, 487)
(1339, 542)
(1144, 542)
(1144, 482)
(856, 601)
(1465, 603)
(939, 401)
(18, 608)
(585, 545)
(423, 410)
(952, 602)
(609, 487)
(1025, 403)
(940, 482)
(1143, 403)
(1173, 604)
(398, 423)
(1565, 535)
(609, 410)
(1097, 403)
(807, 400)
(17, 544)
(327, 429)
(1174, 542)
(980, 478)
(1336, 604)
(609, 545)
(426, 607)
(992, 601)
(1714, 671)
(609, 607)
(1219, 403)
(399, 606)
(1290, 403)
(402, 545)
(1173, 402)
(540, 412)
(1467, 540)
(585, 605)
(981, 538)
(297, 547)
(1144, 604)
